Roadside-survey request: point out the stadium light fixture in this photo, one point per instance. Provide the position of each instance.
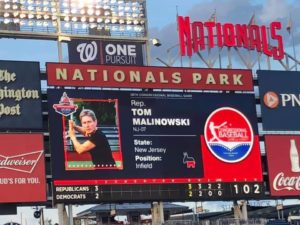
(156, 42)
(72, 17)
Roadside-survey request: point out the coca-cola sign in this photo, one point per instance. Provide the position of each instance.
(280, 100)
(22, 168)
(283, 164)
(284, 182)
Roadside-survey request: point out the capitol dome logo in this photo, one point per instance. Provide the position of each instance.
(228, 135)
(66, 105)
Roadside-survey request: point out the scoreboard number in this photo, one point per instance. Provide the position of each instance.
(245, 189)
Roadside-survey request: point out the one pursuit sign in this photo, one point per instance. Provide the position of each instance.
(122, 53)
(105, 52)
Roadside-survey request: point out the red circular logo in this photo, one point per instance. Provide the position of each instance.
(228, 135)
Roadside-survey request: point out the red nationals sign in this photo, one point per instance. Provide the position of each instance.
(283, 164)
(196, 36)
(22, 168)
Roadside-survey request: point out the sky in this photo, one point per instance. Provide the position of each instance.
(162, 25)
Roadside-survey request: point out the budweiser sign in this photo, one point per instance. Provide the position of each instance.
(22, 163)
(22, 168)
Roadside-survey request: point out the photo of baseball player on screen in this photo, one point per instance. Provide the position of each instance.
(91, 133)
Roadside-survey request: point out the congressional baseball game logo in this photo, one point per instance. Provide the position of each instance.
(228, 135)
(66, 106)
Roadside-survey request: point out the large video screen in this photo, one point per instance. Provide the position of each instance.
(130, 146)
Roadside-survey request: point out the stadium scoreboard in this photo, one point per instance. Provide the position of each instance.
(152, 192)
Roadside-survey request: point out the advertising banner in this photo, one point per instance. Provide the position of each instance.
(22, 168)
(122, 53)
(20, 95)
(148, 77)
(283, 164)
(280, 100)
(154, 138)
(106, 52)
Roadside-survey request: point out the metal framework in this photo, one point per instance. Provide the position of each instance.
(228, 58)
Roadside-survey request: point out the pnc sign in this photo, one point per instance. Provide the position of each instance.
(196, 36)
(273, 100)
(280, 99)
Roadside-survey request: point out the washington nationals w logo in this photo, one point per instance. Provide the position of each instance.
(87, 51)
